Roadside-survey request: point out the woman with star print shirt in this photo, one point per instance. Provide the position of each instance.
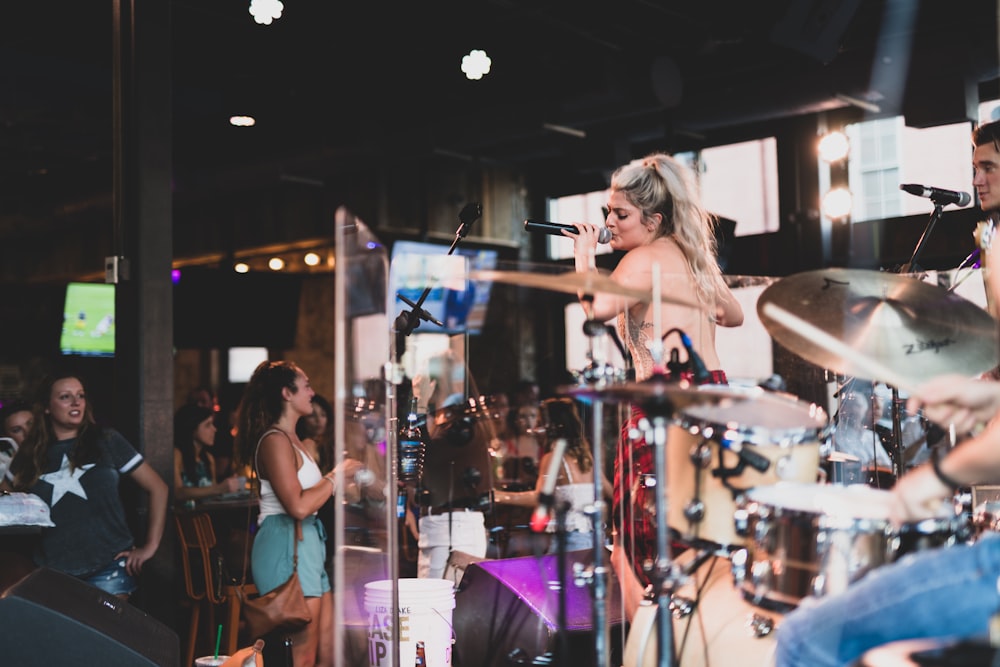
(75, 466)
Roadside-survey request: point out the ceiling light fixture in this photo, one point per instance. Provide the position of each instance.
(242, 121)
(276, 264)
(241, 267)
(265, 11)
(476, 65)
(311, 259)
(563, 129)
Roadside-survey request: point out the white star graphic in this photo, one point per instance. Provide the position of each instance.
(66, 480)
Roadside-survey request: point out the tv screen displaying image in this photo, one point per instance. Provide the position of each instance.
(88, 320)
(458, 303)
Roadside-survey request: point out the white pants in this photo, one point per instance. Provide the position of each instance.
(468, 534)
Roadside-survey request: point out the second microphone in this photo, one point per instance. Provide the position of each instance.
(555, 229)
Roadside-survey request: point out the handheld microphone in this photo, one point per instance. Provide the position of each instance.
(555, 229)
(546, 499)
(937, 195)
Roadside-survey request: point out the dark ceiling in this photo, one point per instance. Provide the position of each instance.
(344, 85)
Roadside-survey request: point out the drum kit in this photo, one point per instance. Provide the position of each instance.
(741, 463)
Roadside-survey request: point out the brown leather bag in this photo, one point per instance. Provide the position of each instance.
(283, 608)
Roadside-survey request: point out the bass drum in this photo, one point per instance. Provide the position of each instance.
(717, 628)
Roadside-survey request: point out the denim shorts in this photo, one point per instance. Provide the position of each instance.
(271, 556)
(113, 579)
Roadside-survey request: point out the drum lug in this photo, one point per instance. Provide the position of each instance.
(738, 566)
(701, 456)
(741, 521)
(681, 607)
(694, 510)
(760, 625)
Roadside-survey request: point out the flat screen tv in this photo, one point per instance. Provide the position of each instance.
(88, 320)
(457, 303)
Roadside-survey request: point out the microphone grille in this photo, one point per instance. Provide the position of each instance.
(604, 236)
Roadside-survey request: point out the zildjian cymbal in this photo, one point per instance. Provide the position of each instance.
(913, 328)
(574, 282)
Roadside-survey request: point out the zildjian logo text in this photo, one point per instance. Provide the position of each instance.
(924, 345)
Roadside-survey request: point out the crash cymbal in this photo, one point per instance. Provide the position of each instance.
(914, 329)
(573, 282)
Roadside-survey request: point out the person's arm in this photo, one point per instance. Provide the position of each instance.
(957, 400)
(923, 491)
(728, 311)
(182, 492)
(280, 467)
(149, 480)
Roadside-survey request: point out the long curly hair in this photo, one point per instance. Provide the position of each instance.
(31, 457)
(660, 184)
(262, 404)
(563, 421)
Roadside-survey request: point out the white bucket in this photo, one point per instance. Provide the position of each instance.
(425, 608)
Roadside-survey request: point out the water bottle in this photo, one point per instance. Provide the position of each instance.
(411, 448)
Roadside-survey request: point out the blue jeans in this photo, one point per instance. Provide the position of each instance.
(948, 592)
(113, 579)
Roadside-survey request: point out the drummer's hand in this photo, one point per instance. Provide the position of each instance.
(919, 494)
(957, 400)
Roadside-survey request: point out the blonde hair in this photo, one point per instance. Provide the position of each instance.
(660, 184)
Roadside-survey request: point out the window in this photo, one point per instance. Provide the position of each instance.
(885, 153)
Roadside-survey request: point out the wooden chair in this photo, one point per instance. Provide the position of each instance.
(196, 560)
(204, 583)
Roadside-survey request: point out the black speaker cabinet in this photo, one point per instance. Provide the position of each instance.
(507, 612)
(50, 618)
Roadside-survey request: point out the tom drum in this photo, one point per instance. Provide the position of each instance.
(716, 452)
(816, 539)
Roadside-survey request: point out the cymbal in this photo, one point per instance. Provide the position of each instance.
(572, 282)
(911, 328)
(661, 396)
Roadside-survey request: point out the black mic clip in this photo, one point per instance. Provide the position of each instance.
(468, 215)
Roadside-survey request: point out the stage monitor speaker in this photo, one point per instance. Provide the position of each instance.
(50, 618)
(506, 612)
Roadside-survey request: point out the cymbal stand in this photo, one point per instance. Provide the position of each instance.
(897, 434)
(664, 575)
(597, 374)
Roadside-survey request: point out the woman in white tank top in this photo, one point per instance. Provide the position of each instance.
(291, 489)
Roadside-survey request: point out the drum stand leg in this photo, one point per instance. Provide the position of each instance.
(664, 577)
(599, 574)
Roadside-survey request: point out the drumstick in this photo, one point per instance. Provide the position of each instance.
(825, 340)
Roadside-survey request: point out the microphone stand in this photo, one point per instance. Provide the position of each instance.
(408, 320)
(910, 266)
(404, 324)
(562, 655)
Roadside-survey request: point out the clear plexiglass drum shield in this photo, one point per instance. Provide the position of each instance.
(365, 537)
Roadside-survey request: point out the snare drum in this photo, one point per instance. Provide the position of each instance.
(705, 473)
(809, 539)
(719, 628)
